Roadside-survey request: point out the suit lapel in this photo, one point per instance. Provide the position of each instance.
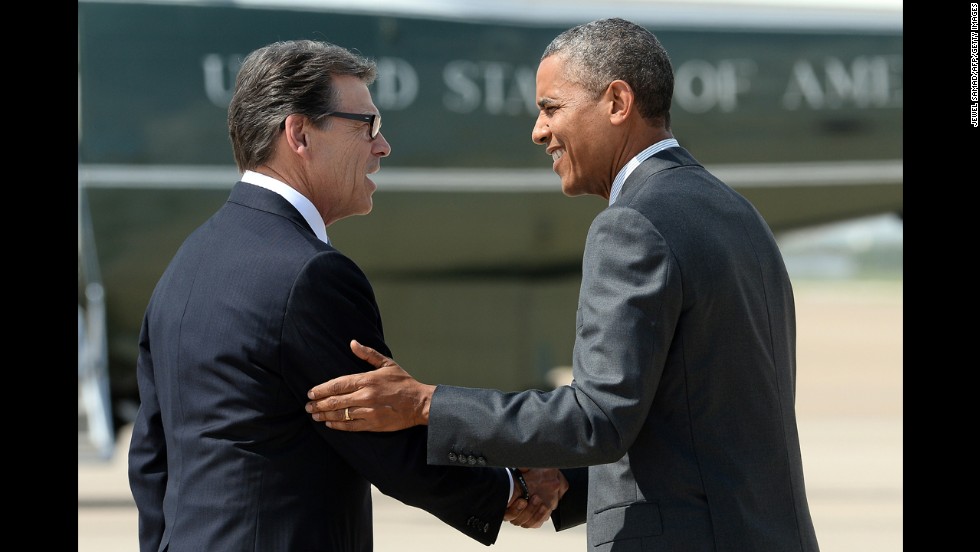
(660, 161)
(257, 197)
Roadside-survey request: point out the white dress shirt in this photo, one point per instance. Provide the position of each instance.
(296, 199)
(624, 173)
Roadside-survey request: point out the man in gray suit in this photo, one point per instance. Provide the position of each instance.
(683, 398)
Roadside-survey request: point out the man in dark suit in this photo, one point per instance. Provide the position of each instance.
(684, 365)
(254, 309)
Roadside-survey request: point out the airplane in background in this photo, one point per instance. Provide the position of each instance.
(474, 253)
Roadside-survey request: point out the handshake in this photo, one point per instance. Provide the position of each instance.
(536, 494)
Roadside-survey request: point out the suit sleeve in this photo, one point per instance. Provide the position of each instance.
(148, 452)
(331, 303)
(572, 508)
(628, 307)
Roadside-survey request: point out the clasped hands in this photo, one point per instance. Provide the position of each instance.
(546, 486)
(389, 399)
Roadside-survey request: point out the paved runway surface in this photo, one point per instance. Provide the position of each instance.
(850, 409)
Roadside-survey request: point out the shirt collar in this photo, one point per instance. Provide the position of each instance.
(296, 199)
(630, 166)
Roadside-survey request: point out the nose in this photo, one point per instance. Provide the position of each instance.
(381, 146)
(540, 132)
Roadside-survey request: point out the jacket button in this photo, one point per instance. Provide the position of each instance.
(472, 460)
(452, 456)
(481, 461)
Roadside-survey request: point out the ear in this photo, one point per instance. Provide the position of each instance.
(621, 98)
(296, 127)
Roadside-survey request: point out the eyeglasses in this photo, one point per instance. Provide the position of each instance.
(373, 120)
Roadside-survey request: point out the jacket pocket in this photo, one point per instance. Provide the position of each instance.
(633, 521)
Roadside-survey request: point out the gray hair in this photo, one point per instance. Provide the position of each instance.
(602, 51)
(280, 79)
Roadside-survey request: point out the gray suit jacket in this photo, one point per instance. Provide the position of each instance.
(683, 399)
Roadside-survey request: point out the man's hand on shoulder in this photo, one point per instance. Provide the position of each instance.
(384, 399)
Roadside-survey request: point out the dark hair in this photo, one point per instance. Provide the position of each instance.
(602, 51)
(280, 79)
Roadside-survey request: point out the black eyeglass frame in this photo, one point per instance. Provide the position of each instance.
(374, 120)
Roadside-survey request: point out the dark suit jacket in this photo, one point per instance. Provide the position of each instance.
(683, 399)
(252, 312)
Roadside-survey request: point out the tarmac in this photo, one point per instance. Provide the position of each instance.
(850, 417)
